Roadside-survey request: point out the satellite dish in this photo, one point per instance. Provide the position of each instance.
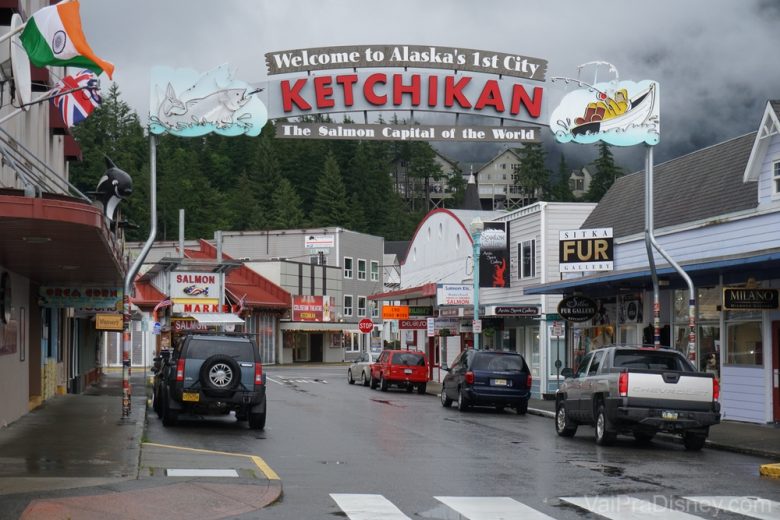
(20, 66)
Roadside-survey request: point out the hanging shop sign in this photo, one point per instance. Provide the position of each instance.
(621, 113)
(528, 311)
(421, 311)
(109, 322)
(494, 255)
(413, 324)
(738, 299)
(586, 250)
(454, 294)
(577, 308)
(395, 312)
(195, 285)
(86, 299)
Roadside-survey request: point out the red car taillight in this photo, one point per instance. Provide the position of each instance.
(258, 373)
(469, 377)
(623, 384)
(715, 389)
(528, 381)
(180, 370)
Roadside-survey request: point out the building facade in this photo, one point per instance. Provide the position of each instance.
(718, 216)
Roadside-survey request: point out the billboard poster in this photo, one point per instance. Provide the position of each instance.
(312, 308)
(494, 255)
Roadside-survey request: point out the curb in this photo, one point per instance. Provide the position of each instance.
(770, 470)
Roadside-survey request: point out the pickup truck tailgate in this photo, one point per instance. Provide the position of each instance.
(669, 386)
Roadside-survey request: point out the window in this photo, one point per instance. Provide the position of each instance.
(516, 167)
(374, 309)
(347, 267)
(361, 306)
(583, 366)
(374, 271)
(776, 177)
(361, 269)
(744, 345)
(594, 366)
(527, 253)
(347, 305)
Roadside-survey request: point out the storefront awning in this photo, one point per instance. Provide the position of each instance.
(215, 318)
(421, 291)
(732, 270)
(315, 326)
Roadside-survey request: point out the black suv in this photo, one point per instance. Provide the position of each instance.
(211, 375)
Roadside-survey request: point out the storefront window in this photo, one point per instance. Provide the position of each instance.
(535, 361)
(744, 344)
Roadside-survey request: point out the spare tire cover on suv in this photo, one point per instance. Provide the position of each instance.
(220, 372)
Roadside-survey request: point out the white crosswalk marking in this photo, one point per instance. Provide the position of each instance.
(288, 381)
(368, 507)
(492, 508)
(624, 507)
(273, 380)
(752, 507)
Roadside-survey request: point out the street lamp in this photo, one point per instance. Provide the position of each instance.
(476, 232)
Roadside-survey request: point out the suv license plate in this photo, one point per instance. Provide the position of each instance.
(669, 416)
(190, 396)
(498, 382)
(407, 370)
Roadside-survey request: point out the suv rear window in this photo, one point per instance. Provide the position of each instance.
(650, 360)
(204, 348)
(499, 362)
(409, 359)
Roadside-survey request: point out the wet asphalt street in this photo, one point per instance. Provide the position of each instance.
(326, 437)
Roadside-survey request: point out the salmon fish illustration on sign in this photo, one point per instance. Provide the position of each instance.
(621, 113)
(189, 104)
(194, 290)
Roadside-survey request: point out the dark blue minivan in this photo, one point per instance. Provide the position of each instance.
(487, 378)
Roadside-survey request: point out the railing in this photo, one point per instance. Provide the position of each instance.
(34, 174)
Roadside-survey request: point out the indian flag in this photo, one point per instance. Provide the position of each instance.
(53, 36)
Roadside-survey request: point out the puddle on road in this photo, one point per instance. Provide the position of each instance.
(614, 471)
(389, 403)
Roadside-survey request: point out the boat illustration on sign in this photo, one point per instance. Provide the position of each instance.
(188, 104)
(622, 113)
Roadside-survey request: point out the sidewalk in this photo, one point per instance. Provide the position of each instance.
(75, 457)
(762, 440)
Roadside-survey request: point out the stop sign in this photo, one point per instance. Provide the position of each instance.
(365, 325)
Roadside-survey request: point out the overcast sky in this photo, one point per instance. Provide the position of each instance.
(716, 60)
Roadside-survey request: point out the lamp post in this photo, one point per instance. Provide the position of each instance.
(476, 232)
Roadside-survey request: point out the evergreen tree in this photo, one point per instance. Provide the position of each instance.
(357, 214)
(286, 210)
(422, 169)
(605, 173)
(243, 207)
(533, 177)
(330, 206)
(560, 190)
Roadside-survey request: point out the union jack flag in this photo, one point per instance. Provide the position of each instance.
(76, 106)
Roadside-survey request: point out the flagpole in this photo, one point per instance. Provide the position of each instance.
(12, 32)
(43, 97)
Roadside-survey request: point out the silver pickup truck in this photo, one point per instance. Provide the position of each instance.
(638, 390)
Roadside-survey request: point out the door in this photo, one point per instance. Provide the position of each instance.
(589, 385)
(574, 388)
(315, 347)
(776, 369)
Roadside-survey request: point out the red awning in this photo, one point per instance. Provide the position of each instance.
(146, 295)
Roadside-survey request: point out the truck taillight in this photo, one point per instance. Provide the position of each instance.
(180, 370)
(528, 381)
(469, 377)
(258, 373)
(715, 389)
(623, 384)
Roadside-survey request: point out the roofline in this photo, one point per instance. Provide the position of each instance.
(751, 172)
(420, 225)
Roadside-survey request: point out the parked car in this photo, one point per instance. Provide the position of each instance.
(487, 378)
(638, 391)
(402, 368)
(360, 369)
(211, 374)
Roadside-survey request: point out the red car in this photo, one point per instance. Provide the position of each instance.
(403, 368)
